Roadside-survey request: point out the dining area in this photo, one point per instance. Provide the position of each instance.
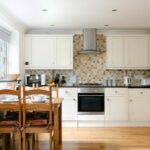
(27, 113)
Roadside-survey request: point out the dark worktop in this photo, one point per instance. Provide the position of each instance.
(101, 86)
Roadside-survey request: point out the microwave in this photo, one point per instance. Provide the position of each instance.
(31, 79)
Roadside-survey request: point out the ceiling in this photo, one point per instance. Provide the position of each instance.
(81, 13)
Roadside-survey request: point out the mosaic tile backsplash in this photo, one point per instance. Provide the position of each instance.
(90, 68)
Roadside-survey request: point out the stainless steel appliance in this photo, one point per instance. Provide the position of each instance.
(91, 99)
(127, 81)
(39, 79)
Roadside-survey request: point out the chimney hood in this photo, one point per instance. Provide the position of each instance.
(89, 41)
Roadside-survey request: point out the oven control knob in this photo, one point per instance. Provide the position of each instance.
(130, 100)
(74, 99)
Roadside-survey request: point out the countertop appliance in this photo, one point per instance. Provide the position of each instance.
(90, 100)
(127, 81)
(39, 79)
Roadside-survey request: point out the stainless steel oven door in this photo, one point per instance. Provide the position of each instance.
(90, 103)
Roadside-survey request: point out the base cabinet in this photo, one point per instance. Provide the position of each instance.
(116, 109)
(139, 104)
(69, 106)
(69, 109)
(116, 104)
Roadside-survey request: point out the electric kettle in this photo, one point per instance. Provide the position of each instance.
(127, 81)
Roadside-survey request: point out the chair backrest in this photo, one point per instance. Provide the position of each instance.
(4, 93)
(11, 101)
(55, 88)
(37, 106)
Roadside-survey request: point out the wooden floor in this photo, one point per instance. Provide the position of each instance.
(106, 139)
(102, 139)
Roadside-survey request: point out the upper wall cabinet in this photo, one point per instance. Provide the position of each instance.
(49, 52)
(128, 52)
(115, 52)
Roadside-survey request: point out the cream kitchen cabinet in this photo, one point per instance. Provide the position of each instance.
(136, 52)
(139, 104)
(116, 104)
(64, 52)
(127, 52)
(115, 52)
(69, 106)
(28, 58)
(49, 51)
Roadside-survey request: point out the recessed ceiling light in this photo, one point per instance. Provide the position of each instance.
(44, 10)
(106, 25)
(114, 9)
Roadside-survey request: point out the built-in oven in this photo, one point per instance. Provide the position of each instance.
(91, 101)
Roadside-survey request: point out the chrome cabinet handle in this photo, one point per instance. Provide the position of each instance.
(141, 92)
(131, 100)
(74, 99)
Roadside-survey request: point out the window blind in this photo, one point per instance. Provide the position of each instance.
(4, 34)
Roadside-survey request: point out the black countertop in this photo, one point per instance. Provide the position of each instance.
(101, 86)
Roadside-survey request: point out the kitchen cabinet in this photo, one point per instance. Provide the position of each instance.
(139, 104)
(69, 106)
(64, 52)
(116, 104)
(43, 54)
(49, 51)
(127, 52)
(28, 62)
(136, 52)
(115, 52)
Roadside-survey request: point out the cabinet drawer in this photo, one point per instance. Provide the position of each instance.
(68, 92)
(116, 92)
(145, 93)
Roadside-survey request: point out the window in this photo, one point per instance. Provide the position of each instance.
(3, 58)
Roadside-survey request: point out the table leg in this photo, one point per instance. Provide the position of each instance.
(56, 128)
(60, 124)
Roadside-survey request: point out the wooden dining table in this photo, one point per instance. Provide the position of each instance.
(57, 109)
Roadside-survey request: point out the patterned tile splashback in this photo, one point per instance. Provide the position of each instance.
(91, 67)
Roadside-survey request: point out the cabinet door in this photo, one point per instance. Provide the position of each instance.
(43, 52)
(115, 52)
(69, 109)
(136, 52)
(140, 109)
(65, 52)
(28, 52)
(116, 108)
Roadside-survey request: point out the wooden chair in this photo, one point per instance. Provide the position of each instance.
(33, 127)
(8, 126)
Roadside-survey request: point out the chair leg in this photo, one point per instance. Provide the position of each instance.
(24, 141)
(50, 141)
(19, 140)
(31, 141)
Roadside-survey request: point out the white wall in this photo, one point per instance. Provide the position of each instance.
(17, 28)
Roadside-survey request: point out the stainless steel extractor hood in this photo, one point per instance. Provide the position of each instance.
(89, 41)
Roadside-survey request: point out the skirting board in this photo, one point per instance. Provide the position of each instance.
(104, 124)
